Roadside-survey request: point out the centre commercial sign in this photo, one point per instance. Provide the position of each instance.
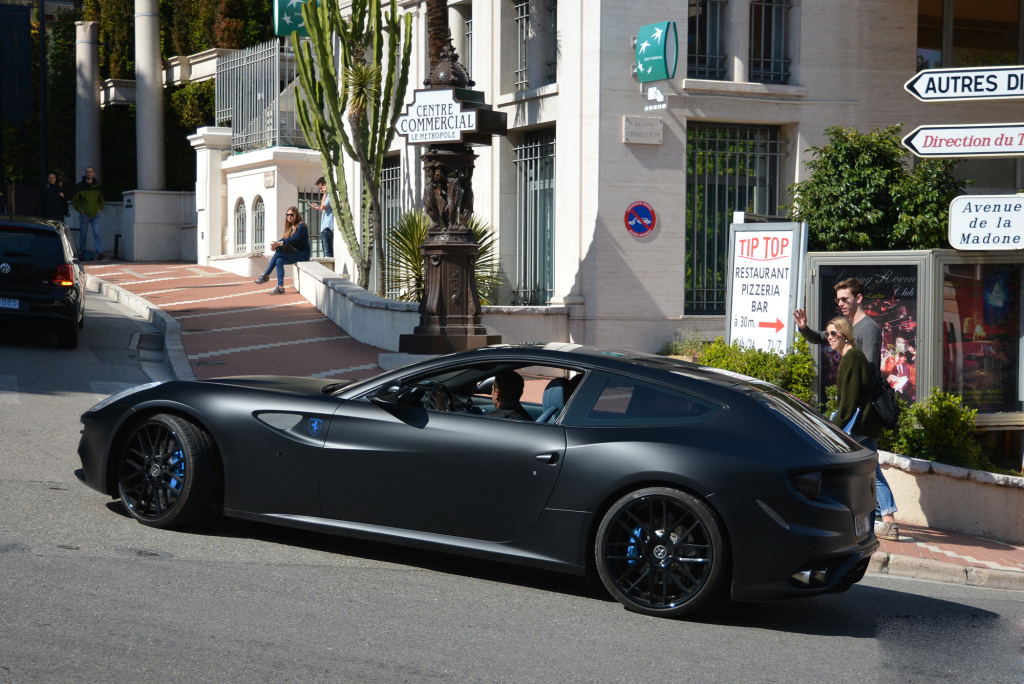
(765, 277)
(435, 116)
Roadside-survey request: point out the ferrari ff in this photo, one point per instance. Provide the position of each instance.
(671, 482)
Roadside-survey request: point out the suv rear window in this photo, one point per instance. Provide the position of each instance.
(43, 247)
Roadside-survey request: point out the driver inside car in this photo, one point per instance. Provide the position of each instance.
(506, 391)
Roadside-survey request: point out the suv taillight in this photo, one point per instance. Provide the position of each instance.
(64, 276)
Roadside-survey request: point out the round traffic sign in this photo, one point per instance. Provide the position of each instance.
(640, 219)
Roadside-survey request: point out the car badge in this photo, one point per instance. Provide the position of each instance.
(314, 426)
(5, 268)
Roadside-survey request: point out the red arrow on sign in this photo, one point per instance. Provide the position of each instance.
(778, 325)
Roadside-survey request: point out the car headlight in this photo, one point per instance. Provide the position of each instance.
(121, 395)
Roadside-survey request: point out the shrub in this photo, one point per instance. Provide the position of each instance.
(939, 429)
(793, 372)
(689, 344)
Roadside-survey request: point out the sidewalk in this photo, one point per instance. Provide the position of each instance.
(231, 326)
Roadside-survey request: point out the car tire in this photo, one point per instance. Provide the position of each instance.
(660, 552)
(166, 474)
(67, 336)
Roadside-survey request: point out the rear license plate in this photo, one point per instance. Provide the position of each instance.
(860, 524)
(9, 303)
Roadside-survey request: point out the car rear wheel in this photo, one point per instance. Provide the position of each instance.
(659, 552)
(166, 476)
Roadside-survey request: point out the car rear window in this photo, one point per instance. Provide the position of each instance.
(42, 247)
(612, 400)
(806, 420)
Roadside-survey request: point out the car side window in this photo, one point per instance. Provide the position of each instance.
(612, 400)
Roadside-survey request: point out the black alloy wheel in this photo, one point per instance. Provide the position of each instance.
(166, 476)
(659, 552)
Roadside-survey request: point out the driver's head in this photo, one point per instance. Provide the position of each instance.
(508, 386)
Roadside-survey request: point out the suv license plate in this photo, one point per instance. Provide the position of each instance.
(860, 524)
(9, 303)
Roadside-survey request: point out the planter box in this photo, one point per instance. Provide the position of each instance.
(945, 497)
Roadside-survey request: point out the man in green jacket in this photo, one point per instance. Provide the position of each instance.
(88, 200)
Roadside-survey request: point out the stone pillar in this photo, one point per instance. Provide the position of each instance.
(149, 96)
(87, 99)
(737, 41)
(212, 146)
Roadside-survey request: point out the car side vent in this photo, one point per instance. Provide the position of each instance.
(280, 421)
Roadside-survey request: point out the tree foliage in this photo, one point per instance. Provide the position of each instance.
(860, 194)
(352, 110)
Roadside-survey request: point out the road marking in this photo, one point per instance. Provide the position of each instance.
(342, 371)
(254, 325)
(270, 345)
(969, 559)
(228, 312)
(9, 389)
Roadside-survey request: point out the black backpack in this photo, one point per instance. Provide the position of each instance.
(884, 402)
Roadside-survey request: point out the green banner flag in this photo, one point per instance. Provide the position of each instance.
(288, 18)
(657, 51)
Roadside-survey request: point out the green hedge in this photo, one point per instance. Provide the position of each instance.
(793, 372)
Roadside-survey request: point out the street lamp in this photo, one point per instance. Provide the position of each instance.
(450, 309)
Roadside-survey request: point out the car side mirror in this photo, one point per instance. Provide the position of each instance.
(386, 394)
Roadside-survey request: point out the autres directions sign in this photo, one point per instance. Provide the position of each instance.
(985, 83)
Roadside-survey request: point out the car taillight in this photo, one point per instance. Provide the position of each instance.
(807, 484)
(64, 276)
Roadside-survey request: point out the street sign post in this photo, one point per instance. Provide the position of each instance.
(984, 83)
(969, 140)
(987, 222)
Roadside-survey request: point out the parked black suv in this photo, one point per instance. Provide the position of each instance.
(42, 282)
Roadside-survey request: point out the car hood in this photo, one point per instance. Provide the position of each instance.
(280, 383)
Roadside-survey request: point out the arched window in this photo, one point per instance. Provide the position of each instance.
(259, 237)
(240, 240)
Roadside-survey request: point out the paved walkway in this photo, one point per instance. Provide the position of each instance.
(232, 326)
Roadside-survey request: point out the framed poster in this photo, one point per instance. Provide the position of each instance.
(981, 334)
(891, 298)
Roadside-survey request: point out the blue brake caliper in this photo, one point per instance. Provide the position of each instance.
(633, 551)
(178, 463)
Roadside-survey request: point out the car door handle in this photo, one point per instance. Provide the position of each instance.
(550, 459)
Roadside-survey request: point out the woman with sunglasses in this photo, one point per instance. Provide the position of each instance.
(855, 386)
(292, 248)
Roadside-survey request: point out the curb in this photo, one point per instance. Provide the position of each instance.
(883, 563)
(174, 351)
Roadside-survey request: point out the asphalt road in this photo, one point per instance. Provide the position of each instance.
(88, 595)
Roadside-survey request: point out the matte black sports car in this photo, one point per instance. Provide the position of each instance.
(673, 482)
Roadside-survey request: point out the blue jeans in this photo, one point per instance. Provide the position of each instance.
(279, 261)
(885, 504)
(327, 241)
(84, 222)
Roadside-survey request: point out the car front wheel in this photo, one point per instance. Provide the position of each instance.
(659, 551)
(166, 476)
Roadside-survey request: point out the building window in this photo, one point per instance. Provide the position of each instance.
(391, 212)
(259, 236)
(704, 40)
(962, 33)
(535, 44)
(522, 18)
(728, 168)
(535, 219)
(240, 238)
(768, 63)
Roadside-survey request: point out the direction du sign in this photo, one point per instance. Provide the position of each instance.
(765, 268)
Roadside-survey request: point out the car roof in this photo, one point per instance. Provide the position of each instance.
(20, 221)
